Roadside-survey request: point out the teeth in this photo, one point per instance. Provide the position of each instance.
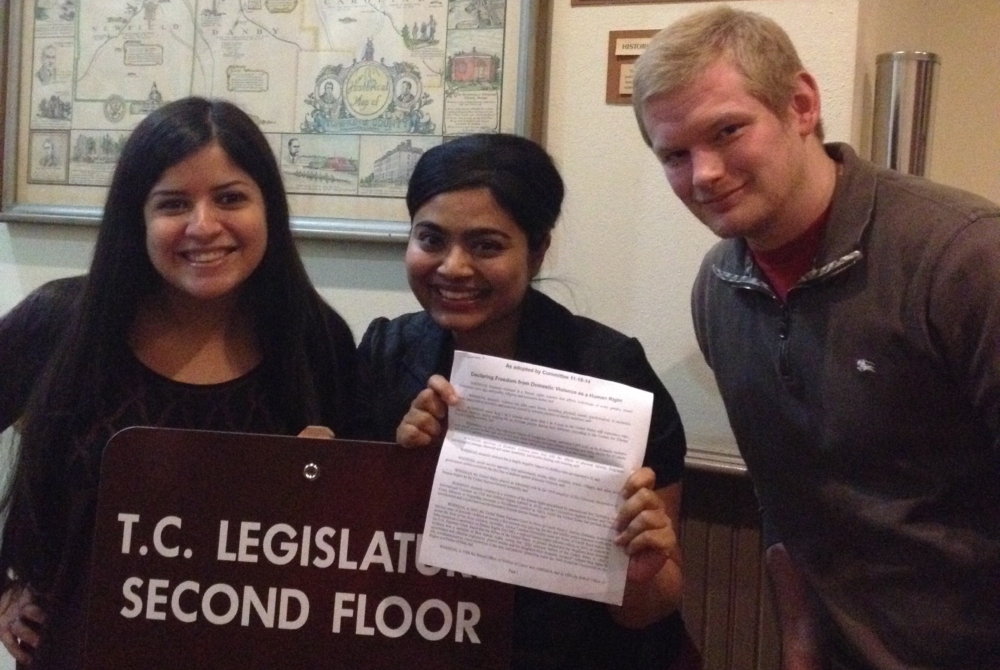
(452, 294)
(204, 256)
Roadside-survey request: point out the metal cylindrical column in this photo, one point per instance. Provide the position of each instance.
(904, 100)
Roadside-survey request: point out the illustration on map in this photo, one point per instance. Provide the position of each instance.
(387, 163)
(320, 164)
(93, 155)
(368, 97)
(471, 14)
(348, 92)
(48, 157)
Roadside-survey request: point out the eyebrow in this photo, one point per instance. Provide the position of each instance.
(176, 191)
(474, 232)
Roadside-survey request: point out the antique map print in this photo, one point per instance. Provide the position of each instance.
(349, 93)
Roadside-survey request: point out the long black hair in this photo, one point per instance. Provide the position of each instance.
(47, 529)
(519, 174)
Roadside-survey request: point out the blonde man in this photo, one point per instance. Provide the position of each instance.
(850, 316)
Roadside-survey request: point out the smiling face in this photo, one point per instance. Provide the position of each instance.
(739, 167)
(206, 226)
(469, 266)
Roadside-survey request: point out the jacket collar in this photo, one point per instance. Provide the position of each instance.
(850, 218)
(543, 338)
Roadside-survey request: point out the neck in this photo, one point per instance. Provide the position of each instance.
(812, 192)
(194, 341)
(498, 338)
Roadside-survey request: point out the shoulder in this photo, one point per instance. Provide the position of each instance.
(925, 227)
(386, 337)
(604, 342)
(50, 303)
(921, 201)
(912, 206)
(395, 358)
(406, 347)
(58, 292)
(29, 334)
(599, 350)
(726, 257)
(335, 323)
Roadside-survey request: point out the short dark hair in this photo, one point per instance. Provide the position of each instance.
(519, 174)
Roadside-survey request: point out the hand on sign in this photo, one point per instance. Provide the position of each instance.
(317, 432)
(21, 619)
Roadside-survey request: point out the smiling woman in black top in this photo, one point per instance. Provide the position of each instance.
(196, 313)
(483, 208)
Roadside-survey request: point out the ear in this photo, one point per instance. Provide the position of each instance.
(804, 107)
(536, 257)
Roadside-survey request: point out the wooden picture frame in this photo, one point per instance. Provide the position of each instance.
(347, 103)
(598, 3)
(624, 48)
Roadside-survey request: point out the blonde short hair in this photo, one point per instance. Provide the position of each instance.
(752, 43)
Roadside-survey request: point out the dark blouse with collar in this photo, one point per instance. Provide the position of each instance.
(396, 358)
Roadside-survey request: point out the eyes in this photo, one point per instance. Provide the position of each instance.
(722, 137)
(175, 203)
(480, 244)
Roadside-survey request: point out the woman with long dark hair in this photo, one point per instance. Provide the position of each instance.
(196, 313)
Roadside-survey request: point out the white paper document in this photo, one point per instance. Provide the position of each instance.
(529, 478)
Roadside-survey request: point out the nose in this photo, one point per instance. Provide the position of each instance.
(707, 167)
(204, 221)
(456, 263)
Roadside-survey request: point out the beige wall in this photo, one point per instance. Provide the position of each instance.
(965, 149)
(627, 249)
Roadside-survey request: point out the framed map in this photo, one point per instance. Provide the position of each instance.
(349, 93)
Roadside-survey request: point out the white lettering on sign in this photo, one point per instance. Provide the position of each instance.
(282, 543)
(219, 604)
(463, 620)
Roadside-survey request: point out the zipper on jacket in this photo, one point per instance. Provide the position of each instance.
(783, 367)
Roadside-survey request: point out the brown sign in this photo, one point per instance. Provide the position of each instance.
(224, 550)
(624, 49)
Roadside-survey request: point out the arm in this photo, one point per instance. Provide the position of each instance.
(801, 647)
(963, 318)
(647, 522)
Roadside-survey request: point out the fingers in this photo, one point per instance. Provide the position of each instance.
(424, 423)
(418, 429)
(445, 391)
(643, 478)
(649, 541)
(643, 515)
(640, 496)
(317, 432)
(645, 530)
(20, 621)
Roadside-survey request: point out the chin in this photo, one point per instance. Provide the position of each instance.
(458, 323)
(208, 292)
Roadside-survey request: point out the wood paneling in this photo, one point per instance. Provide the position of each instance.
(727, 602)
